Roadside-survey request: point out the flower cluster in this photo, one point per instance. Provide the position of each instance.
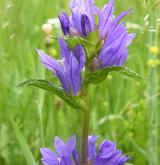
(67, 154)
(113, 38)
(68, 70)
(113, 34)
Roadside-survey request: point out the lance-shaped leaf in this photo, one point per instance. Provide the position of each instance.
(73, 101)
(100, 75)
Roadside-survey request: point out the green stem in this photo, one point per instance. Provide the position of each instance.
(85, 133)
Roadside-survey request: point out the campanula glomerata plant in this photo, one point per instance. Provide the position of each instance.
(89, 52)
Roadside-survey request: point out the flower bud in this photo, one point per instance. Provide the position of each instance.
(47, 29)
(48, 41)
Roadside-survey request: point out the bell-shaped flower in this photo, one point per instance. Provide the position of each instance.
(67, 153)
(69, 68)
(65, 23)
(114, 51)
(81, 22)
(63, 152)
(108, 154)
(114, 36)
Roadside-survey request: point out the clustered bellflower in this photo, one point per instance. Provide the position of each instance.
(113, 36)
(114, 40)
(67, 154)
(112, 33)
(69, 68)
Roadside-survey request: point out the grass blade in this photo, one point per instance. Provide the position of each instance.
(22, 142)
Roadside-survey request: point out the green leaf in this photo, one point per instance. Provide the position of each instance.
(100, 75)
(95, 47)
(24, 146)
(91, 43)
(93, 37)
(73, 101)
(132, 74)
(72, 42)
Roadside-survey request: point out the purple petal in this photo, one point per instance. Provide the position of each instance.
(65, 149)
(109, 155)
(100, 162)
(71, 144)
(107, 18)
(75, 75)
(115, 159)
(49, 161)
(79, 52)
(48, 153)
(116, 29)
(76, 157)
(55, 67)
(64, 51)
(65, 23)
(60, 147)
(119, 18)
(114, 34)
(80, 8)
(121, 53)
(85, 24)
(122, 58)
(65, 160)
(50, 63)
(111, 54)
(91, 147)
(107, 149)
(122, 160)
(76, 15)
(130, 38)
(49, 157)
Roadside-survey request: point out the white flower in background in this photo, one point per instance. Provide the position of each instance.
(54, 21)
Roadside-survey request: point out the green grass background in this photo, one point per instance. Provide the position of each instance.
(123, 110)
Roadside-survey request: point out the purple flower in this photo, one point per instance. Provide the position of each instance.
(108, 154)
(63, 155)
(114, 51)
(65, 23)
(68, 155)
(82, 20)
(115, 38)
(68, 70)
(112, 33)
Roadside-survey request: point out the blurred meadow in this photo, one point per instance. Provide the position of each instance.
(123, 110)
